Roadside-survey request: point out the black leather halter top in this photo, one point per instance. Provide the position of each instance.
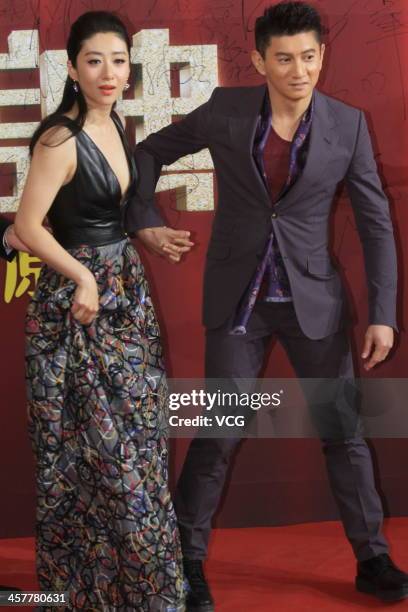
(89, 210)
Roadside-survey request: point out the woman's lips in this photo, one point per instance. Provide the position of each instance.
(107, 90)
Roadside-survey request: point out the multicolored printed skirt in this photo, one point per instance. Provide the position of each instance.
(106, 528)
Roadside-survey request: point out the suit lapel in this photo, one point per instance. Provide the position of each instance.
(323, 140)
(243, 127)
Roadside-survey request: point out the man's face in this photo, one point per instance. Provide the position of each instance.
(291, 65)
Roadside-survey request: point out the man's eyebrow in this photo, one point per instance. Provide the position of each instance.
(287, 54)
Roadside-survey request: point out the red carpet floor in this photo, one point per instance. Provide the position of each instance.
(296, 568)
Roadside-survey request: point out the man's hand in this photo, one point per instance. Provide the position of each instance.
(378, 343)
(166, 242)
(14, 241)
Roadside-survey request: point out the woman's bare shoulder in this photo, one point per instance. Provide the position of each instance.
(55, 152)
(56, 136)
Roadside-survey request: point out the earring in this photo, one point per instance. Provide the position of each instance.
(126, 86)
(75, 86)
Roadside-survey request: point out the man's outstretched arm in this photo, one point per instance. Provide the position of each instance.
(185, 137)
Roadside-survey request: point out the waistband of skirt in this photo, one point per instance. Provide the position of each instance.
(91, 237)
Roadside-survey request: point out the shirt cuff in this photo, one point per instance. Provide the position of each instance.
(7, 248)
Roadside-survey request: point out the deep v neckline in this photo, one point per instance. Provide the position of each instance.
(102, 154)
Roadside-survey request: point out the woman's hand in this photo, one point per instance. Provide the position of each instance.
(86, 299)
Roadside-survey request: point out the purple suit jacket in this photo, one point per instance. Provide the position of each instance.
(340, 149)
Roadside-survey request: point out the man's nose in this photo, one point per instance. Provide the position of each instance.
(299, 68)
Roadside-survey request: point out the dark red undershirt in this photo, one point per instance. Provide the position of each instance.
(276, 163)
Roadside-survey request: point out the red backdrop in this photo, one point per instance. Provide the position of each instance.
(272, 481)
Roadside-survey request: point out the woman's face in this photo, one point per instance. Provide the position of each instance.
(102, 69)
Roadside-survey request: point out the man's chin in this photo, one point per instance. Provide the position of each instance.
(298, 95)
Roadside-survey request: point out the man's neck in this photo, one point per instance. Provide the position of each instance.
(286, 109)
(287, 114)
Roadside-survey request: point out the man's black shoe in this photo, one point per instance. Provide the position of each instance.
(380, 577)
(199, 598)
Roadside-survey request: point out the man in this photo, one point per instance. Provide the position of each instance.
(279, 152)
(9, 243)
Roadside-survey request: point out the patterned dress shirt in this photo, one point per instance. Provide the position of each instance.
(271, 268)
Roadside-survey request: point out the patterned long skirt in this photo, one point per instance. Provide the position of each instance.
(106, 528)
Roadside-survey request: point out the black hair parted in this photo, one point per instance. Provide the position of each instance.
(287, 19)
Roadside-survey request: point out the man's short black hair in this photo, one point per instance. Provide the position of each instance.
(286, 19)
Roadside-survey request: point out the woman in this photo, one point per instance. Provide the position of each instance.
(106, 529)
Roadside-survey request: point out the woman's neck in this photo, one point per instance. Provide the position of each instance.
(95, 116)
(98, 117)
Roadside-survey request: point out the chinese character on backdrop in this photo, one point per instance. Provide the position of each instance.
(21, 276)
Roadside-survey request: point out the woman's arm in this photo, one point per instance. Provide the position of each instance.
(51, 167)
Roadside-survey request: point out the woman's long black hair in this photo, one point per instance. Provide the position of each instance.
(86, 26)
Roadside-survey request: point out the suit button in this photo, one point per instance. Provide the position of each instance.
(274, 215)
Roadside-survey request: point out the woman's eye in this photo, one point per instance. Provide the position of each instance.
(93, 61)
(119, 61)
